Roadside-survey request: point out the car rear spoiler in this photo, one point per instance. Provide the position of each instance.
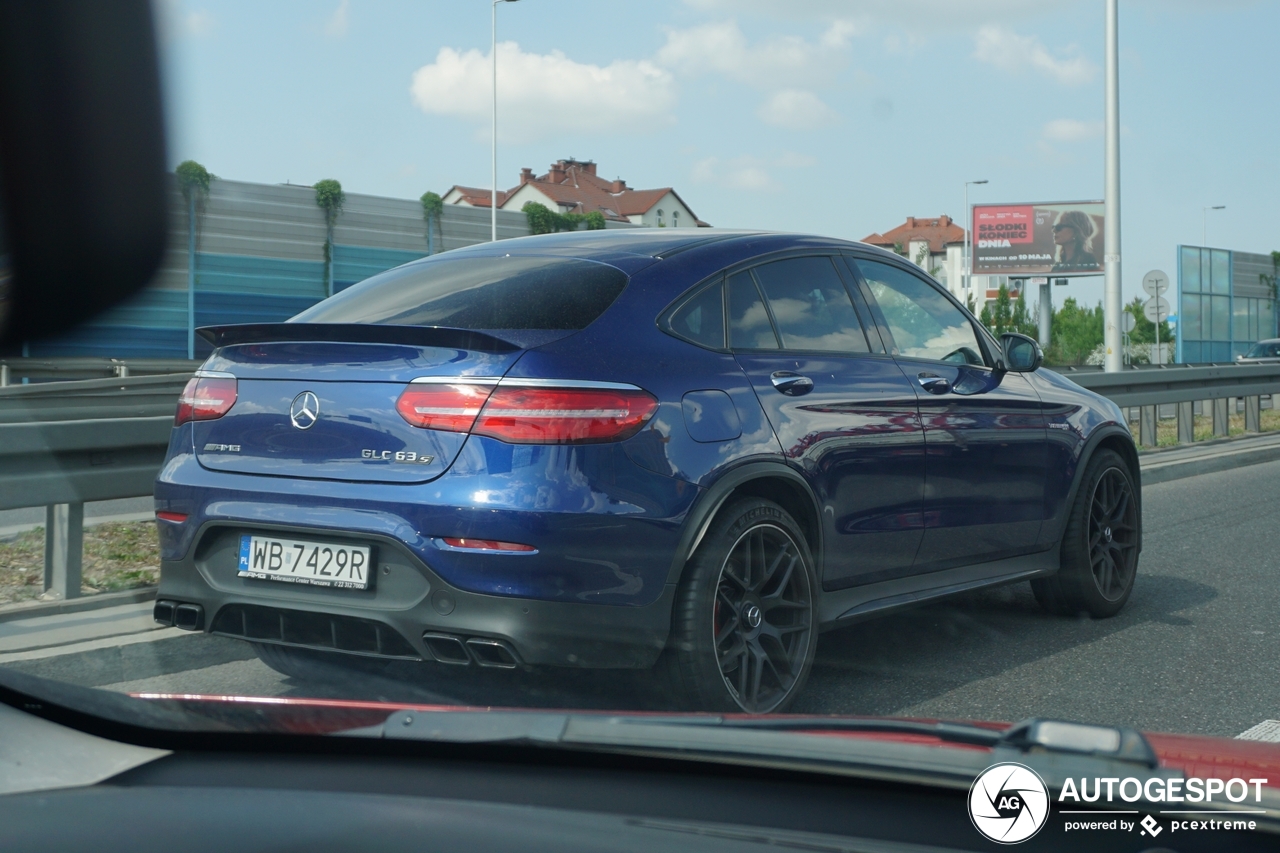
(354, 333)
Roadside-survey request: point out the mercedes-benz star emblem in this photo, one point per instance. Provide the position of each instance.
(305, 410)
(751, 615)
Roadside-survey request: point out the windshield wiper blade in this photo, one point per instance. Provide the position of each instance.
(797, 740)
(965, 733)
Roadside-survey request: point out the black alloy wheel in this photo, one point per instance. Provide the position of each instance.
(1100, 545)
(762, 618)
(1113, 534)
(744, 629)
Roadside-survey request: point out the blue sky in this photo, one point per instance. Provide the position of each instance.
(838, 117)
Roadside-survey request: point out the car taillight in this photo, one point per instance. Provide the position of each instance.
(205, 398)
(451, 408)
(564, 415)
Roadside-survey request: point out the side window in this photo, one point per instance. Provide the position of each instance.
(923, 322)
(811, 306)
(749, 326)
(701, 319)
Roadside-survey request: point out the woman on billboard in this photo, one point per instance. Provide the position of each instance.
(1073, 235)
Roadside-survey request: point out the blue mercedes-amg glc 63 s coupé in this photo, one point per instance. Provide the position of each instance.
(685, 449)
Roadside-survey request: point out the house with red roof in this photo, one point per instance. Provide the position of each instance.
(573, 186)
(936, 245)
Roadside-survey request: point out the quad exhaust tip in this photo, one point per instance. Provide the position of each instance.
(188, 617)
(483, 651)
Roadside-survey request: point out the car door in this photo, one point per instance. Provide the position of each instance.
(845, 415)
(986, 444)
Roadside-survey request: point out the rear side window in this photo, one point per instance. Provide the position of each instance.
(810, 306)
(479, 294)
(701, 319)
(749, 326)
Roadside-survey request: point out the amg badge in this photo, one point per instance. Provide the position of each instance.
(397, 456)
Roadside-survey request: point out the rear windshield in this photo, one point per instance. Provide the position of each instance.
(478, 294)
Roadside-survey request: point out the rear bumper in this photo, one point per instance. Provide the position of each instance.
(407, 601)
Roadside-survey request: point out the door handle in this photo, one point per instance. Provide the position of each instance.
(933, 383)
(791, 384)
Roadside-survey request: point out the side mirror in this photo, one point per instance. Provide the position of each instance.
(1021, 353)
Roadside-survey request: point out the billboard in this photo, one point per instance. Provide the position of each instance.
(1056, 238)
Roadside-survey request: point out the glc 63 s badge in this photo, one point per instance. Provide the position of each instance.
(398, 456)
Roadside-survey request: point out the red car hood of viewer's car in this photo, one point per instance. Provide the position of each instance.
(1193, 755)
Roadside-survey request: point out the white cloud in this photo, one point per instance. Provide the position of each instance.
(722, 48)
(544, 94)
(748, 172)
(198, 22)
(336, 26)
(1009, 51)
(1071, 130)
(796, 109)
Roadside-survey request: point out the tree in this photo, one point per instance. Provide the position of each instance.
(329, 198)
(1002, 312)
(544, 220)
(1269, 282)
(193, 181)
(1077, 332)
(1021, 320)
(432, 208)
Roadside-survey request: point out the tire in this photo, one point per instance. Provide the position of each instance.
(1099, 546)
(745, 624)
(310, 665)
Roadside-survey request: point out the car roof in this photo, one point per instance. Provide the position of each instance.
(612, 245)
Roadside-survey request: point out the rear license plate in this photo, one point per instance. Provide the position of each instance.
(314, 563)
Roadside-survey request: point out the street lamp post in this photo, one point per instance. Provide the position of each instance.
(1112, 305)
(967, 272)
(493, 195)
(1204, 222)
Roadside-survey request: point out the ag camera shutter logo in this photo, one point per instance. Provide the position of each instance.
(1008, 803)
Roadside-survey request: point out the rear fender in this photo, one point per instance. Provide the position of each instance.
(719, 493)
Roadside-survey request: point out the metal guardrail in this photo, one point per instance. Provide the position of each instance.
(18, 371)
(1184, 386)
(65, 443)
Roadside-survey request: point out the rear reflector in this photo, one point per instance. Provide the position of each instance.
(206, 398)
(451, 408)
(564, 415)
(175, 517)
(485, 544)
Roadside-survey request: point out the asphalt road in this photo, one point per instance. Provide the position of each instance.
(1196, 650)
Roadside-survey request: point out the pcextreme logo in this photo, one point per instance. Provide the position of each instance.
(1009, 803)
